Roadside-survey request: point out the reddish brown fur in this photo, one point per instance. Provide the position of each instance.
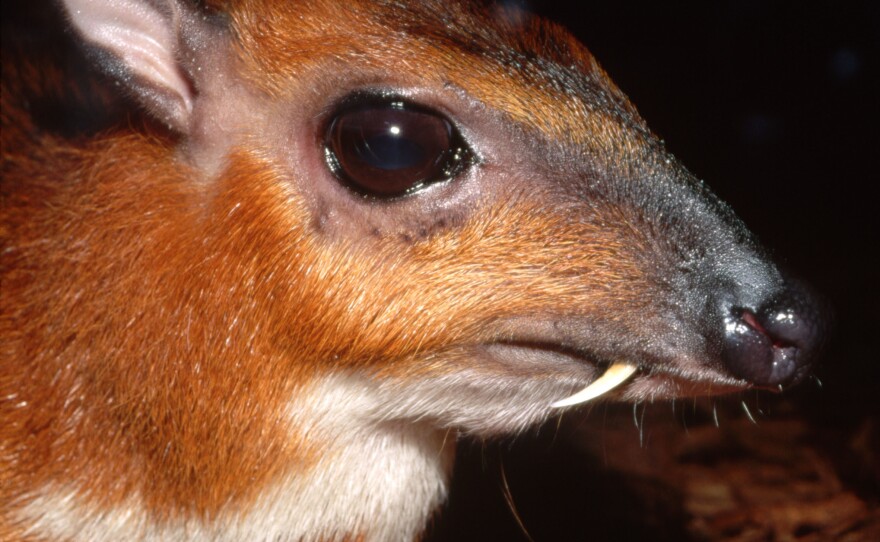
(209, 299)
(148, 309)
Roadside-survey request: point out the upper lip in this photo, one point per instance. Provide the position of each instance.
(627, 368)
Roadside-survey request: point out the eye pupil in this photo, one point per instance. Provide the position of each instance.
(391, 149)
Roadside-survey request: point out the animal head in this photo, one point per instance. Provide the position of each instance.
(352, 218)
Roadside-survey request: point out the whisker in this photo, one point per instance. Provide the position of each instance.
(508, 497)
(748, 413)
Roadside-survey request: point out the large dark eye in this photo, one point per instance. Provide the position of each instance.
(393, 148)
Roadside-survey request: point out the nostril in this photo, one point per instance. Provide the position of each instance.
(776, 344)
(752, 322)
(747, 350)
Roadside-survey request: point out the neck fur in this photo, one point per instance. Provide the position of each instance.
(375, 480)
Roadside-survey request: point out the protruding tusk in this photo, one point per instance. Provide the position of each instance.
(613, 377)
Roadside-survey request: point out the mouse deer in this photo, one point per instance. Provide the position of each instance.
(319, 241)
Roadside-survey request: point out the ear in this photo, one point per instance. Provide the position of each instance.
(139, 42)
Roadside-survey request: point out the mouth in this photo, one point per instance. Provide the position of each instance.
(626, 378)
(553, 358)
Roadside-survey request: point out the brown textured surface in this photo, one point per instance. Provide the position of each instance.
(786, 477)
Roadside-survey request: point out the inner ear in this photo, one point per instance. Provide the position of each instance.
(139, 43)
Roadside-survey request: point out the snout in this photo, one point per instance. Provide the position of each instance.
(775, 343)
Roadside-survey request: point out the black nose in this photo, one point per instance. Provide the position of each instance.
(776, 343)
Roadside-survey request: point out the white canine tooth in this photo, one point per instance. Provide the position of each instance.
(613, 377)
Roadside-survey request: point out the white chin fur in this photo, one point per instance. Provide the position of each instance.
(616, 375)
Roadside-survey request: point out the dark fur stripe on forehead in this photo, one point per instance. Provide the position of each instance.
(529, 69)
(543, 54)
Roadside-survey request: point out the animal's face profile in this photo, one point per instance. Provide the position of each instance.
(361, 228)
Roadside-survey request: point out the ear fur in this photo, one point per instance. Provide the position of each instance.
(139, 43)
